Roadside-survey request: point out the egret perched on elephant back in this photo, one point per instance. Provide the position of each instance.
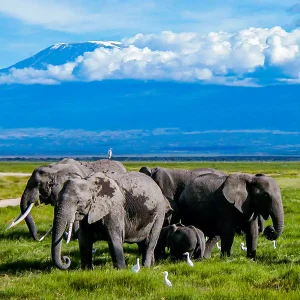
(109, 153)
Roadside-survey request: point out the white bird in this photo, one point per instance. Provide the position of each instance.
(136, 267)
(243, 247)
(167, 281)
(188, 260)
(219, 247)
(274, 244)
(109, 153)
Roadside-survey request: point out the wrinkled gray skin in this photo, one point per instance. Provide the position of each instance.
(220, 204)
(180, 239)
(173, 181)
(129, 208)
(46, 182)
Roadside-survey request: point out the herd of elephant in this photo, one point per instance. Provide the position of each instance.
(159, 208)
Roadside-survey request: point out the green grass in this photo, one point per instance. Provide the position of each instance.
(12, 186)
(26, 270)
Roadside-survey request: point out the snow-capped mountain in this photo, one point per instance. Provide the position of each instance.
(61, 53)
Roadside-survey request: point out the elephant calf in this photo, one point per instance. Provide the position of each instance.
(180, 239)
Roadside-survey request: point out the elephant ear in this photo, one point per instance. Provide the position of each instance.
(106, 195)
(165, 182)
(235, 191)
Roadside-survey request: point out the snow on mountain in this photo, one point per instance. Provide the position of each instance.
(60, 54)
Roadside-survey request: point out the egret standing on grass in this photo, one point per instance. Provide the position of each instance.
(167, 281)
(188, 260)
(109, 153)
(243, 247)
(219, 247)
(274, 244)
(136, 267)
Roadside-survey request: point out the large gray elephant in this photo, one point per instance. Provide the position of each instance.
(46, 182)
(129, 208)
(180, 239)
(173, 181)
(220, 204)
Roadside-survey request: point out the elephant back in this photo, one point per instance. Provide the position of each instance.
(199, 190)
(106, 166)
(140, 189)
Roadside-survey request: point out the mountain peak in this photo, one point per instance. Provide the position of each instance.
(61, 53)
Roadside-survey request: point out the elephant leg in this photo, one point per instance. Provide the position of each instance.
(115, 236)
(116, 251)
(227, 238)
(86, 247)
(151, 242)
(210, 243)
(251, 238)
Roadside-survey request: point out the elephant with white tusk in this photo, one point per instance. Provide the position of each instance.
(129, 208)
(46, 182)
(220, 204)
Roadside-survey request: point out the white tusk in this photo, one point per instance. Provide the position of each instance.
(47, 233)
(70, 232)
(26, 213)
(9, 226)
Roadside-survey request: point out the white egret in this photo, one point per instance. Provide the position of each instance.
(136, 267)
(243, 247)
(109, 153)
(188, 260)
(219, 247)
(167, 281)
(274, 244)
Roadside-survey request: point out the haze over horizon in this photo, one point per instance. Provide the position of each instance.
(155, 78)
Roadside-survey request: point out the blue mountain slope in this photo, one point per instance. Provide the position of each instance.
(145, 106)
(59, 54)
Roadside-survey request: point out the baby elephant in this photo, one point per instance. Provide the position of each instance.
(180, 239)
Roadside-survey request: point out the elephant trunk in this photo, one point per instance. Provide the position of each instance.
(29, 196)
(277, 216)
(61, 220)
(64, 215)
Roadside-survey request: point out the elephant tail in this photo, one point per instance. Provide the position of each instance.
(200, 245)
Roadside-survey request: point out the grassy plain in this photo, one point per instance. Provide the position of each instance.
(26, 270)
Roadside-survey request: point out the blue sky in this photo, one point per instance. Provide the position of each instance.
(184, 77)
(29, 26)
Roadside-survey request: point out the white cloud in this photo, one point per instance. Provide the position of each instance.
(80, 134)
(244, 131)
(217, 57)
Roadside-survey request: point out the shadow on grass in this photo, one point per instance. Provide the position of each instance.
(20, 266)
(15, 235)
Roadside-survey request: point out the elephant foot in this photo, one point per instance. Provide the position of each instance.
(225, 254)
(87, 267)
(120, 266)
(252, 254)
